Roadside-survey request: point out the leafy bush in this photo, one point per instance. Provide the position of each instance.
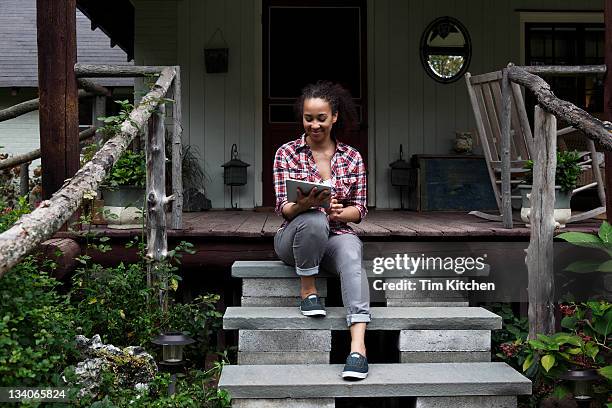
(583, 343)
(36, 327)
(129, 170)
(9, 215)
(567, 173)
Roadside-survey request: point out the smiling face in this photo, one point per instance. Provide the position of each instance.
(318, 119)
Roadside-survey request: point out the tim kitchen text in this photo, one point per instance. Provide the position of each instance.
(430, 285)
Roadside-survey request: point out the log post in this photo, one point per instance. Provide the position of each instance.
(24, 179)
(505, 150)
(177, 153)
(539, 259)
(157, 242)
(608, 101)
(99, 110)
(59, 107)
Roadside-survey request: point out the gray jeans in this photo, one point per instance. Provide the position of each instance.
(307, 244)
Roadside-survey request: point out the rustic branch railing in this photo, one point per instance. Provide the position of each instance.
(539, 259)
(89, 89)
(32, 229)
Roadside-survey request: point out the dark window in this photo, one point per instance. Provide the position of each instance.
(568, 44)
(306, 49)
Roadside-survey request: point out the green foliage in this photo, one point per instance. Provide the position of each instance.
(567, 173)
(36, 327)
(583, 343)
(8, 215)
(129, 170)
(112, 124)
(602, 241)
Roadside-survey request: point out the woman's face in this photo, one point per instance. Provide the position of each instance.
(318, 119)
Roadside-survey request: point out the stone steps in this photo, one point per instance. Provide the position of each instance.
(455, 384)
(383, 318)
(444, 346)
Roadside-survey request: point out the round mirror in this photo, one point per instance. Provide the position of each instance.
(446, 49)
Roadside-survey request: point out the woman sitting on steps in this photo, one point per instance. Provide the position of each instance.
(312, 235)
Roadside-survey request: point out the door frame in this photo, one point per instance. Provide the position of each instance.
(262, 74)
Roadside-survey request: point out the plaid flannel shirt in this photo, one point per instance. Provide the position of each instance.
(294, 160)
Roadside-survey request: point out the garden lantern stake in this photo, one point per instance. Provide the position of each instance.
(172, 353)
(234, 174)
(582, 385)
(400, 175)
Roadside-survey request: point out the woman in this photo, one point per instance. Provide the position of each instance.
(314, 236)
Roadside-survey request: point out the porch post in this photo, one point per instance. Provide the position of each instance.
(57, 87)
(608, 102)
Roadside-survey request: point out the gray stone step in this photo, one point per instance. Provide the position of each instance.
(383, 318)
(278, 269)
(384, 380)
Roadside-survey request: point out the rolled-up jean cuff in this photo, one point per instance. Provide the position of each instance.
(357, 318)
(308, 271)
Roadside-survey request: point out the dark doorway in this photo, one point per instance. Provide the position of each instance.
(306, 41)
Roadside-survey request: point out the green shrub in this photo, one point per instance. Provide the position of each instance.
(36, 327)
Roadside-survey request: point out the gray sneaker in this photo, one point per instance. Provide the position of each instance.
(311, 306)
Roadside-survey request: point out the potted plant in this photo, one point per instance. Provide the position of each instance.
(123, 190)
(566, 176)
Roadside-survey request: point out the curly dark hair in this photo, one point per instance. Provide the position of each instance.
(340, 100)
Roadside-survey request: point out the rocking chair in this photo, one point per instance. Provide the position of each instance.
(486, 99)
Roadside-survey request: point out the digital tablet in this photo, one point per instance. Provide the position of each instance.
(292, 186)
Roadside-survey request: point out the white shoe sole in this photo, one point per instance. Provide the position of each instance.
(354, 374)
(314, 312)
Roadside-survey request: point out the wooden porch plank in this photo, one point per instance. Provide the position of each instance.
(273, 223)
(370, 228)
(228, 223)
(253, 225)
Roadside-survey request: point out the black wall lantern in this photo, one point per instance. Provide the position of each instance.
(234, 173)
(400, 175)
(216, 58)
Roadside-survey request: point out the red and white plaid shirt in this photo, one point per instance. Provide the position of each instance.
(294, 160)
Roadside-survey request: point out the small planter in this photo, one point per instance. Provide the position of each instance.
(123, 206)
(562, 211)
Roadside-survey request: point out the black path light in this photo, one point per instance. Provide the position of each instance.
(582, 381)
(172, 354)
(234, 174)
(400, 175)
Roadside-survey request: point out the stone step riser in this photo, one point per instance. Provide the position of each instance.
(281, 287)
(467, 402)
(284, 403)
(422, 402)
(282, 357)
(284, 340)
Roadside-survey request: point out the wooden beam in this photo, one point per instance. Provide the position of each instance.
(565, 69)
(177, 153)
(59, 105)
(540, 255)
(128, 71)
(608, 101)
(506, 117)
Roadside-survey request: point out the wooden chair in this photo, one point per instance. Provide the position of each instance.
(486, 99)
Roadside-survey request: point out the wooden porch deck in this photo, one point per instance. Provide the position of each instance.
(379, 224)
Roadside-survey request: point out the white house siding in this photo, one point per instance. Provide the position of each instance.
(19, 135)
(406, 106)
